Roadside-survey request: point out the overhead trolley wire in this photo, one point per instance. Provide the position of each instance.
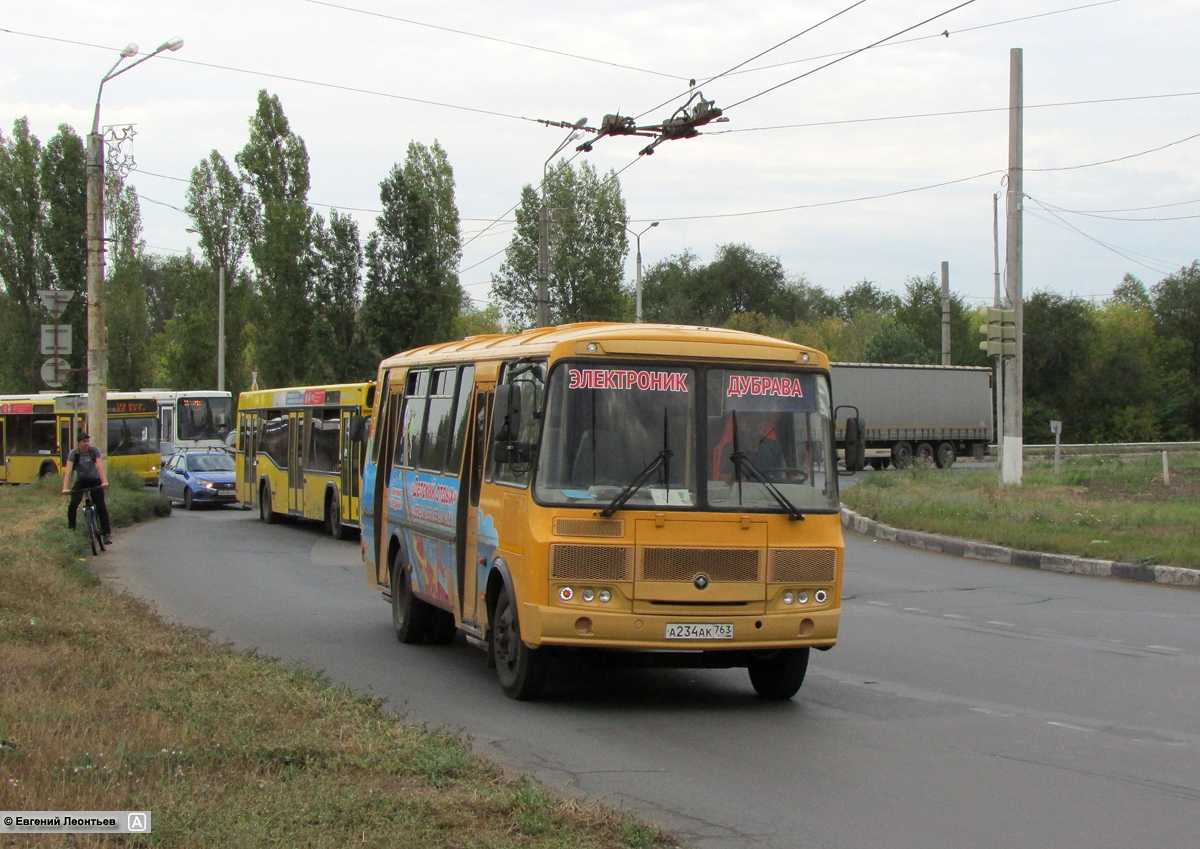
(848, 55)
(495, 39)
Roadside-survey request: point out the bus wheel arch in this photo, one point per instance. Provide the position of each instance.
(47, 469)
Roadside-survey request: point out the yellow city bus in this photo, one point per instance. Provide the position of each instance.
(37, 432)
(300, 452)
(670, 491)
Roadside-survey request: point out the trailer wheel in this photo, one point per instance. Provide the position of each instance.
(945, 455)
(924, 454)
(902, 455)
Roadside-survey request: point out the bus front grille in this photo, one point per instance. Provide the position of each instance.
(567, 527)
(719, 565)
(802, 565)
(589, 562)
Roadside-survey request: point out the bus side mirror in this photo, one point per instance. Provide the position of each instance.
(854, 443)
(506, 414)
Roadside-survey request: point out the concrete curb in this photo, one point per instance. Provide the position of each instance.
(1066, 563)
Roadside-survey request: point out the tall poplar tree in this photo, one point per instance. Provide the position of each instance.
(412, 294)
(129, 359)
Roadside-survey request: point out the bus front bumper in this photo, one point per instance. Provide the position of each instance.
(556, 626)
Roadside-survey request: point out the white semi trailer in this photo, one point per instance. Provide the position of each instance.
(931, 413)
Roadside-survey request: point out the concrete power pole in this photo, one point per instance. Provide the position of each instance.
(1012, 453)
(945, 313)
(221, 328)
(97, 350)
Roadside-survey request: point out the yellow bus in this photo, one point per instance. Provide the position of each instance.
(300, 452)
(670, 491)
(37, 432)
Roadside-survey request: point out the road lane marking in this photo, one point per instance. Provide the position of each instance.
(1005, 624)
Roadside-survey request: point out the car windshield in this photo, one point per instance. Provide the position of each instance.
(210, 463)
(608, 426)
(204, 418)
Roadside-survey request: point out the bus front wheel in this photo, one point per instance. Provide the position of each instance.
(265, 513)
(410, 615)
(521, 670)
(779, 674)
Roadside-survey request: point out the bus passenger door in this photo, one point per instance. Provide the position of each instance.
(352, 461)
(3, 454)
(295, 501)
(249, 436)
(471, 549)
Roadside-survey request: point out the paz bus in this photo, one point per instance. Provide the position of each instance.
(37, 432)
(300, 452)
(667, 491)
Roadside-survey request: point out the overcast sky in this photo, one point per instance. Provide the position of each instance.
(831, 172)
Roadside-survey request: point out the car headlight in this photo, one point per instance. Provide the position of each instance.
(207, 484)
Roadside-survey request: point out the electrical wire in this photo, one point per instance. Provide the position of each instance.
(1125, 254)
(1116, 218)
(1119, 158)
(494, 39)
(848, 55)
(286, 78)
(752, 58)
(1127, 209)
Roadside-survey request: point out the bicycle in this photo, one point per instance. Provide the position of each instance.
(91, 522)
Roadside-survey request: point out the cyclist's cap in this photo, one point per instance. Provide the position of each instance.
(83, 434)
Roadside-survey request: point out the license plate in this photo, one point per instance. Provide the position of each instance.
(700, 631)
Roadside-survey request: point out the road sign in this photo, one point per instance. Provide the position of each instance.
(55, 372)
(55, 300)
(56, 339)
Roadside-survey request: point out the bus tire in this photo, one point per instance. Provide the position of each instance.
(521, 670)
(778, 675)
(410, 615)
(902, 455)
(265, 513)
(945, 455)
(47, 469)
(333, 517)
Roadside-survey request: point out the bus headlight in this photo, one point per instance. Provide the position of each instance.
(605, 596)
(589, 594)
(789, 597)
(802, 597)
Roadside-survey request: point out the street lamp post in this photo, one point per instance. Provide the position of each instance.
(97, 351)
(543, 297)
(638, 238)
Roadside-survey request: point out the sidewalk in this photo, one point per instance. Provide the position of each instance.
(1173, 575)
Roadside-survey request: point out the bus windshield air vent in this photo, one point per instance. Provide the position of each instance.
(803, 565)
(719, 565)
(566, 527)
(589, 562)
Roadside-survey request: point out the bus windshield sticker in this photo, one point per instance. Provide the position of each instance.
(640, 379)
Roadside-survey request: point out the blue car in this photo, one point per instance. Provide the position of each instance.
(199, 476)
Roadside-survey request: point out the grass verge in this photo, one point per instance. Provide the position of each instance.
(1115, 508)
(105, 707)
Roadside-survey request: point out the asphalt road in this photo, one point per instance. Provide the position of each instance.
(967, 704)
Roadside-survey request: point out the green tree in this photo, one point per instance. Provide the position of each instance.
(63, 179)
(411, 296)
(1060, 336)
(587, 248)
(921, 310)
(24, 266)
(897, 342)
(126, 316)
(865, 295)
(1176, 306)
(481, 321)
(274, 163)
(337, 297)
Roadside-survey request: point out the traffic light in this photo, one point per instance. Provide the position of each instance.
(1001, 333)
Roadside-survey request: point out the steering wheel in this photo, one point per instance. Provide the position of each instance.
(785, 474)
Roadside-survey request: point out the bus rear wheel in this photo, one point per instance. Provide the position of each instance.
(410, 615)
(521, 670)
(333, 517)
(779, 674)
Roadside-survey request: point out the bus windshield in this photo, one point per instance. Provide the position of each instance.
(204, 418)
(635, 436)
(128, 435)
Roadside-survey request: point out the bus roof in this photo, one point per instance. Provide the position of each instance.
(349, 395)
(598, 338)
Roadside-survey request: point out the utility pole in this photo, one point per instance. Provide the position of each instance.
(945, 313)
(97, 344)
(997, 303)
(1012, 453)
(221, 328)
(638, 238)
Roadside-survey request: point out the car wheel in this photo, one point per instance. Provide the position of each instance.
(188, 503)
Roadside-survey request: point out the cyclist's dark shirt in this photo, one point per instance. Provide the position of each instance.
(85, 464)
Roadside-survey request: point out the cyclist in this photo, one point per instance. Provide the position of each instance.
(85, 460)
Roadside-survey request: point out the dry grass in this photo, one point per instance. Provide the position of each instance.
(104, 707)
(1114, 509)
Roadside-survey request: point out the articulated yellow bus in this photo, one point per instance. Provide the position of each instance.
(37, 432)
(300, 452)
(670, 491)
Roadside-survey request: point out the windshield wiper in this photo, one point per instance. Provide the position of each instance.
(663, 458)
(739, 458)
